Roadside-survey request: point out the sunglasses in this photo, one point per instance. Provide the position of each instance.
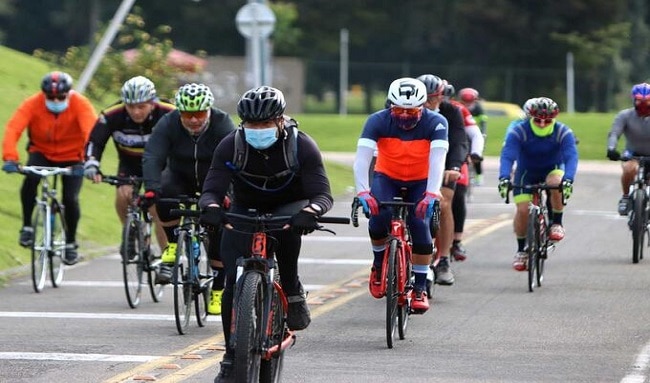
(542, 121)
(59, 97)
(198, 115)
(411, 112)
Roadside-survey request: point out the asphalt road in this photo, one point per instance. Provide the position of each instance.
(588, 323)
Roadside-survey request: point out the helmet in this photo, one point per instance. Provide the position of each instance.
(434, 84)
(449, 89)
(261, 104)
(468, 95)
(55, 83)
(528, 105)
(138, 89)
(407, 92)
(544, 107)
(641, 91)
(194, 98)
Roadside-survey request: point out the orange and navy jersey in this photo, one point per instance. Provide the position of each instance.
(59, 137)
(404, 154)
(129, 137)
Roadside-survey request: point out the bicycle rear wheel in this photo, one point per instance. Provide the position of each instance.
(58, 245)
(638, 224)
(392, 292)
(132, 261)
(157, 291)
(248, 327)
(404, 310)
(181, 274)
(532, 248)
(271, 369)
(202, 298)
(39, 250)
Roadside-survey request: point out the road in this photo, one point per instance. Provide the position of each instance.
(588, 323)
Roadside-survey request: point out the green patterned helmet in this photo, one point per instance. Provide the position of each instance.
(194, 98)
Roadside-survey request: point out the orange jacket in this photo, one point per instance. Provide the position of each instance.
(60, 138)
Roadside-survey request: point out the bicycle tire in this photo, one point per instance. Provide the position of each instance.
(638, 222)
(132, 269)
(404, 310)
(202, 295)
(543, 248)
(151, 264)
(58, 243)
(39, 250)
(183, 297)
(532, 248)
(392, 292)
(248, 327)
(271, 369)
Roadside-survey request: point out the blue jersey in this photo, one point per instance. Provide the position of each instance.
(537, 154)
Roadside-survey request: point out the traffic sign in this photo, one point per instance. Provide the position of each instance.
(255, 20)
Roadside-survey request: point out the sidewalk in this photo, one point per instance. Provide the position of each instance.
(599, 167)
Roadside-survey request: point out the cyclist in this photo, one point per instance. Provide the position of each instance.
(129, 122)
(58, 122)
(175, 162)
(459, 202)
(471, 99)
(456, 156)
(274, 168)
(545, 151)
(633, 123)
(411, 144)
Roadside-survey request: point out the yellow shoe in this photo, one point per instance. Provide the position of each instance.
(214, 308)
(169, 254)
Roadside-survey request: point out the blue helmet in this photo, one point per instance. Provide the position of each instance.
(641, 91)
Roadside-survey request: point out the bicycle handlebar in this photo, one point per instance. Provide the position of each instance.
(539, 186)
(120, 180)
(356, 204)
(46, 171)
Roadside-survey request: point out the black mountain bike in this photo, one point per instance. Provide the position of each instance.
(638, 220)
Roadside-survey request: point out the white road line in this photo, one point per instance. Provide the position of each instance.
(76, 357)
(121, 284)
(638, 371)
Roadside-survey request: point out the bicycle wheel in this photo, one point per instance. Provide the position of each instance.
(204, 276)
(532, 248)
(271, 369)
(404, 310)
(157, 291)
(132, 269)
(39, 250)
(392, 292)
(181, 274)
(543, 249)
(248, 327)
(58, 245)
(638, 222)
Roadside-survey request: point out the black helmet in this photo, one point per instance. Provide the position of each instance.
(435, 85)
(261, 104)
(55, 83)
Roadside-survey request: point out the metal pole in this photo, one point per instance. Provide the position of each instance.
(343, 75)
(103, 45)
(570, 80)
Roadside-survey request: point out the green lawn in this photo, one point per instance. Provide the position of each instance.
(20, 77)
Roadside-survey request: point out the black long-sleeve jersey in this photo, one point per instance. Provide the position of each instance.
(255, 185)
(457, 137)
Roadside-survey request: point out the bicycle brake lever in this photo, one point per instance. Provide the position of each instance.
(354, 216)
(323, 228)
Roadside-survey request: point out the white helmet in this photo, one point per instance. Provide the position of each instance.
(528, 105)
(407, 92)
(137, 90)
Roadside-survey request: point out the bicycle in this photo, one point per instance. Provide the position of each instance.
(49, 245)
(191, 274)
(259, 331)
(136, 254)
(639, 219)
(538, 243)
(397, 278)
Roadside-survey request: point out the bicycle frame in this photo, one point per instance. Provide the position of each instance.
(638, 221)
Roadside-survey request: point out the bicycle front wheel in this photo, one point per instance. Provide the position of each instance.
(248, 307)
(532, 248)
(182, 283)
(58, 245)
(404, 309)
(392, 292)
(39, 250)
(132, 269)
(202, 296)
(638, 224)
(271, 369)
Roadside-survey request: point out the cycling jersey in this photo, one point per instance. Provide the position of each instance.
(476, 139)
(457, 137)
(635, 129)
(59, 137)
(129, 137)
(539, 154)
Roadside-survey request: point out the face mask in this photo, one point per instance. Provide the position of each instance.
(261, 138)
(56, 106)
(406, 121)
(642, 109)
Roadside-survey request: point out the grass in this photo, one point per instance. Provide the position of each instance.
(20, 76)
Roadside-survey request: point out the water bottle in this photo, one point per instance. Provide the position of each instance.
(196, 252)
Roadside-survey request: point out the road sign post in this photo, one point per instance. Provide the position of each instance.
(256, 22)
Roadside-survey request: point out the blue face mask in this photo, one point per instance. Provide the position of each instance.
(261, 138)
(56, 106)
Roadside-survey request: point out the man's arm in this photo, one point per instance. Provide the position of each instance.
(155, 154)
(14, 129)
